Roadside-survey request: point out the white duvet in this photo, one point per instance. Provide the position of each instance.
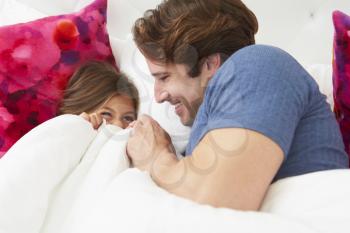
(65, 177)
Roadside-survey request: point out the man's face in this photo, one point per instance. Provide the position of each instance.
(173, 84)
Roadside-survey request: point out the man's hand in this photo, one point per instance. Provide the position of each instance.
(149, 144)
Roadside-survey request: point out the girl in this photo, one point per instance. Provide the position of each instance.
(96, 91)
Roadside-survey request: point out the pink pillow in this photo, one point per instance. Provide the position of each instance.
(341, 74)
(36, 60)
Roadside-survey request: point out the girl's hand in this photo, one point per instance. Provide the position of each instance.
(94, 118)
(131, 125)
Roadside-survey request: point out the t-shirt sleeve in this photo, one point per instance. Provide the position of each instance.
(259, 88)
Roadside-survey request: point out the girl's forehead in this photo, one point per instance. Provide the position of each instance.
(119, 101)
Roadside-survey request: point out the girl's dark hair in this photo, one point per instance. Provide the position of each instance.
(92, 85)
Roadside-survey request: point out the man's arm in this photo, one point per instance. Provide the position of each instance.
(230, 168)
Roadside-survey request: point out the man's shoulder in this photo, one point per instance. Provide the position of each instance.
(257, 49)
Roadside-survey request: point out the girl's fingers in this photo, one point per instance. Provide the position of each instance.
(85, 116)
(94, 118)
(93, 121)
(132, 124)
(99, 120)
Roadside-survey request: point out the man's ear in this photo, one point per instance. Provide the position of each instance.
(212, 64)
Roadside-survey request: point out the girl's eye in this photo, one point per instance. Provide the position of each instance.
(106, 115)
(129, 118)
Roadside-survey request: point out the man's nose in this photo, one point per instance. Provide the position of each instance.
(161, 95)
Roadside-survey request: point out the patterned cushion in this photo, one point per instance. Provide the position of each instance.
(36, 60)
(341, 74)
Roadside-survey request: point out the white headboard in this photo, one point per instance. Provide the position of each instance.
(303, 28)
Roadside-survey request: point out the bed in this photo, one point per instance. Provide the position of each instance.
(78, 189)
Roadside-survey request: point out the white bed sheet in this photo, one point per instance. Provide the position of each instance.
(50, 183)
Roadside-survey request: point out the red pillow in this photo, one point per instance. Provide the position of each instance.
(36, 60)
(341, 74)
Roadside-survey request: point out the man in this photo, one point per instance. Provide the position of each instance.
(256, 114)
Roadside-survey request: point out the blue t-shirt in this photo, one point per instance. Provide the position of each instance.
(264, 89)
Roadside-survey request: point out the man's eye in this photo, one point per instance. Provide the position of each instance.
(164, 78)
